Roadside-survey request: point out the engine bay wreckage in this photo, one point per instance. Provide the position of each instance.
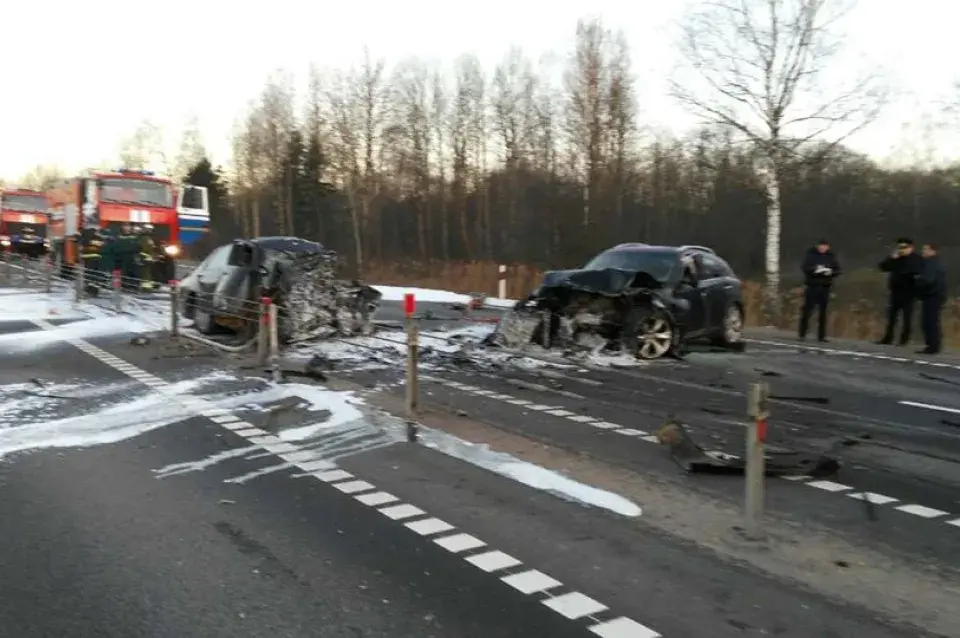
(301, 278)
(608, 310)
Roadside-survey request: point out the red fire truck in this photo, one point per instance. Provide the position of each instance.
(113, 199)
(23, 221)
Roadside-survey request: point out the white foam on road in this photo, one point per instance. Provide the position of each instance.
(23, 306)
(342, 406)
(529, 474)
(432, 295)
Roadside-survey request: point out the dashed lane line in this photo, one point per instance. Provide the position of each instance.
(511, 571)
(921, 511)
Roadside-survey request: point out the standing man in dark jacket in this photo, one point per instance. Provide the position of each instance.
(820, 266)
(932, 292)
(903, 266)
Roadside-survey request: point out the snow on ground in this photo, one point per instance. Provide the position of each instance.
(432, 295)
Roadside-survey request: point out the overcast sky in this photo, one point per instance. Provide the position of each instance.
(79, 76)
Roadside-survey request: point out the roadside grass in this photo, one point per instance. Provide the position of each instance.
(858, 304)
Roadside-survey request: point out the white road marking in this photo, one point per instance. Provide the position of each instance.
(400, 512)
(429, 526)
(630, 432)
(531, 581)
(582, 418)
(493, 561)
(352, 487)
(930, 406)
(921, 511)
(829, 486)
(574, 605)
(335, 475)
(458, 543)
(873, 497)
(561, 413)
(955, 522)
(377, 498)
(605, 425)
(623, 628)
(226, 418)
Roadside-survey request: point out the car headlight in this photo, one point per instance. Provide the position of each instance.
(4, 242)
(172, 251)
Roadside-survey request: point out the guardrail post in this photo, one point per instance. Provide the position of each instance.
(755, 470)
(274, 343)
(502, 282)
(413, 347)
(174, 307)
(117, 289)
(263, 332)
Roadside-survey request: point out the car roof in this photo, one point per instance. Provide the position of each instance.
(641, 247)
(288, 244)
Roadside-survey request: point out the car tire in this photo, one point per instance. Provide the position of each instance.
(650, 333)
(731, 331)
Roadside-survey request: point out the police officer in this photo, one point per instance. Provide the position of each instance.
(820, 267)
(903, 266)
(932, 292)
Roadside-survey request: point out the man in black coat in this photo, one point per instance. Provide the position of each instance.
(932, 292)
(820, 267)
(902, 266)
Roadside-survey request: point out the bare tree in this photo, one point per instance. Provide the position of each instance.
(42, 177)
(144, 149)
(759, 67)
(412, 109)
(440, 108)
(276, 125)
(191, 149)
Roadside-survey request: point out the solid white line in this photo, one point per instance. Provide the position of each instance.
(921, 511)
(429, 526)
(873, 497)
(493, 561)
(352, 487)
(531, 581)
(459, 543)
(829, 486)
(623, 628)
(400, 512)
(575, 605)
(376, 498)
(930, 406)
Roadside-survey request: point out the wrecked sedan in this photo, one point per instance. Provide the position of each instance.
(635, 298)
(298, 275)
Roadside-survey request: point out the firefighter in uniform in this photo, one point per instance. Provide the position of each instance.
(149, 255)
(127, 258)
(91, 252)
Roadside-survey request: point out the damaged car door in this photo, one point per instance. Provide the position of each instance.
(693, 294)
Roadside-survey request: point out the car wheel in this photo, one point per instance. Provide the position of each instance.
(203, 320)
(731, 334)
(650, 334)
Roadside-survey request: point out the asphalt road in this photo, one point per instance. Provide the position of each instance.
(168, 516)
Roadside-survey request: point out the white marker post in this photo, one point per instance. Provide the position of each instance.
(274, 344)
(413, 343)
(263, 332)
(502, 282)
(118, 288)
(755, 471)
(174, 308)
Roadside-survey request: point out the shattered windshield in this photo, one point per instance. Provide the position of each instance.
(661, 265)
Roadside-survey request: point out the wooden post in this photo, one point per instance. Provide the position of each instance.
(755, 470)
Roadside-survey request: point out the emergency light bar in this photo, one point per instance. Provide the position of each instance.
(134, 171)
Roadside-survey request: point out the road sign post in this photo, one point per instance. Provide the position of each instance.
(755, 470)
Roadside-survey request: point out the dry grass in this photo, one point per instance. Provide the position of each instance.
(857, 308)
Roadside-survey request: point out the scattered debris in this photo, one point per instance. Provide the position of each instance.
(139, 340)
(817, 400)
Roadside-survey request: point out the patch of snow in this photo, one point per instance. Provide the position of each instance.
(527, 473)
(342, 407)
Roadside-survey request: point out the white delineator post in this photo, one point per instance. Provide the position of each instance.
(413, 343)
(118, 288)
(174, 307)
(263, 332)
(755, 471)
(274, 343)
(502, 282)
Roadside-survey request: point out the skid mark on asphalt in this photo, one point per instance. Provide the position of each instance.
(570, 604)
(921, 511)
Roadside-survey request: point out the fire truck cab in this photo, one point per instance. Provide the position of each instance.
(23, 221)
(126, 200)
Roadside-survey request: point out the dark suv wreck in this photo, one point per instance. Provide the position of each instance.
(638, 298)
(298, 275)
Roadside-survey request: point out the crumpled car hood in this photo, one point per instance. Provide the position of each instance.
(607, 282)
